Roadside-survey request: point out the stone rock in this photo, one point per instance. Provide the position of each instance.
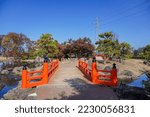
(17, 70)
(5, 72)
(146, 63)
(127, 73)
(14, 77)
(20, 94)
(39, 59)
(10, 69)
(38, 64)
(32, 95)
(108, 68)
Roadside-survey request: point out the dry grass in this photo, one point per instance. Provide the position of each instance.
(136, 67)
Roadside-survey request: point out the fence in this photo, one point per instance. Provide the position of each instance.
(99, 76)
(31, 79)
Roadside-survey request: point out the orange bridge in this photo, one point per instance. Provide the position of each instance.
(69, 82)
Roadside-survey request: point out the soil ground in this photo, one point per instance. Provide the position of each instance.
(131, 68)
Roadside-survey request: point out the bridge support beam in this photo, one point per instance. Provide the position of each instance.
(114, 75)
(24, 77)
(94, 71)
(45, 71)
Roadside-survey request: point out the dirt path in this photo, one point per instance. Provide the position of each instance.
(69, 83)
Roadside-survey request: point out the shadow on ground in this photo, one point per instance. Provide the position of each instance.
(84, 91)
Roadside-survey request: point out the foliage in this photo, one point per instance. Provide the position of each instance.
(61, 48)
(143, 52)
(125, 50)
(146, 52)
(138, 52)
(46, 46)
(107, 35)
(81, 47)
(15, 45)
(109, 45)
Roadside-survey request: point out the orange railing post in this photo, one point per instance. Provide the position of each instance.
(94, 71)
(28, 77)
(24, 77)
(45, 71)
(114, 75)
(96, 77)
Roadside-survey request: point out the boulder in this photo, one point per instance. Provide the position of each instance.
(10, 69)
(17, 70)
(146, 63)
(99, 59)
(108, 68)
(4, 72)
(127, 73)
(32, 95)
(13, 77)
(19, 94)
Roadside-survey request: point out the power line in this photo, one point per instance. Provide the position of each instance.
(123, 10)
(125, 17)
(136, 10)
(124, 14)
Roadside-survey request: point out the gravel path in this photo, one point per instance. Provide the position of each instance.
(69, 83)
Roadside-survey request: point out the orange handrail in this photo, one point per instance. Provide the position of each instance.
(32, 72)
(96, 77)
(46, 73)
(84, 68)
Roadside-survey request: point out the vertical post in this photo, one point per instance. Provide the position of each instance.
(114, 79)
(87, 71)
(94, 71)
(79, 63)
(24, 77)
(45, 71)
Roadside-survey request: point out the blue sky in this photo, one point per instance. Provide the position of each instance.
(64, 19)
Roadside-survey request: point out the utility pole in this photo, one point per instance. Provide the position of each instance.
(97, 27)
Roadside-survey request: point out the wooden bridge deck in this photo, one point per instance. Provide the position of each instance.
(70, 83)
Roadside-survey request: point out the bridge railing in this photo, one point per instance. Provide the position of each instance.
(103, 77)
(85, 68)
(31, 79)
